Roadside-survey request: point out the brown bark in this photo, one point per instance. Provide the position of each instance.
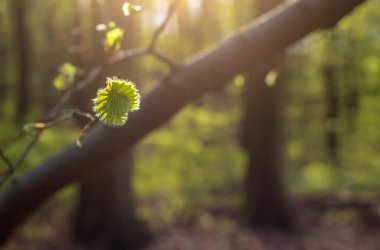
(106, 209)
(331, 114)
(266, 203)
(259, 40)
(22, 47)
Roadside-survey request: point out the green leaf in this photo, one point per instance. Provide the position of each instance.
(129, 8)
(271, 78)
(113, 39)
(239, 81)
(113, 102)
(111, 25)
(66, 76)
(68, 70)
(59, 82)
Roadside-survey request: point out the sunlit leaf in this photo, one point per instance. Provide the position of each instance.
(59, 82)
(271, 78)
(68, 70)
(113, 39)
(113, 102)
(66, 76)
(129, 8)
(111, 25)
(239, 80)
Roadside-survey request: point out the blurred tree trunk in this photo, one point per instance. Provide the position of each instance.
(331, 113)
(106, 209)
(3, 70)
(88, 51)
(105, 214)
(51, 54)
(4, 55)
(351, 92)
(20, 8)
(266, 204)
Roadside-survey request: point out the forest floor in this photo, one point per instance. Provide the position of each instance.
(331, 229)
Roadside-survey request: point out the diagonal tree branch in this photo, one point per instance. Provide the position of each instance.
(259, 40)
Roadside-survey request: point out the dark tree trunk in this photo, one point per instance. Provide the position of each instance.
(106, 209)
(266, 203)
(51, 55)
(3, 73)
(331, 114)
(22, 51)
(351, 91)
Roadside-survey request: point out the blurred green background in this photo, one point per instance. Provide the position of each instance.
(195, 161)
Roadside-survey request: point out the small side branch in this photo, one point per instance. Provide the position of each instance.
(173, 64)
(163, 25)
(151, 49)
(7, 173)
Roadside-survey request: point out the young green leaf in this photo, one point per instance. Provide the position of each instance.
(113, 102)
(59, 82)
(271, 78)
(66, 76)
(113, 39)
(129, 8)
(68, 70)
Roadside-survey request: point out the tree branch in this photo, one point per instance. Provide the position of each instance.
(4, 175)
(163, 25)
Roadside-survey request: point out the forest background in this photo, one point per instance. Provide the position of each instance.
(195, 166)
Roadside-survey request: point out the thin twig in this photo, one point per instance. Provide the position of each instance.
(6, 142)
(6, 174)
(127, 54)
(26, 151)
(174, 65)
(8, 162)
(151, 49)
(163, 25)
(82, 114)
(84, 131)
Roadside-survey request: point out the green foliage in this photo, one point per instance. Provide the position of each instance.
(129, 8)
(271, 78)
(69, 70)
(115, 100)
(186, 159)
(66, 76)
(113, 37)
